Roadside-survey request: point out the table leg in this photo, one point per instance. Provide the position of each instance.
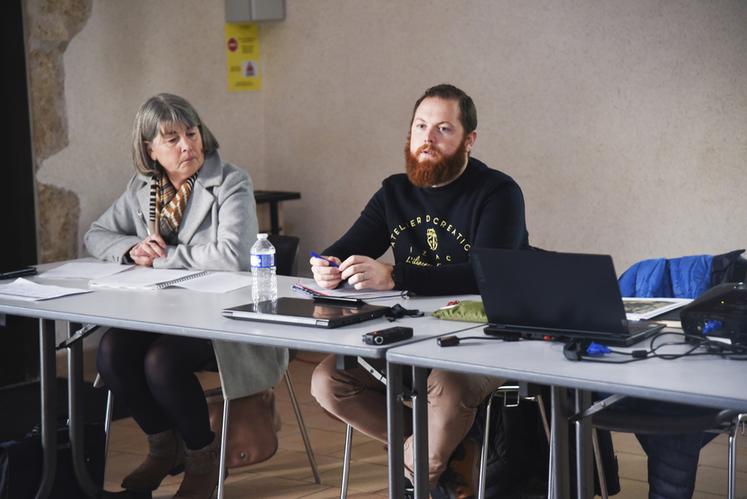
(395, 430)
(584, 467)
(420, 432)
(48, 382)
(77, 436)
(559, 479)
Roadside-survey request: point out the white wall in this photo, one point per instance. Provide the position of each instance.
(624, 122)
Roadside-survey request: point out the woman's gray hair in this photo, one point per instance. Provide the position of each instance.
(160, 113)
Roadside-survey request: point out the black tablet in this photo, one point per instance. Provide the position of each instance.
(306, 312)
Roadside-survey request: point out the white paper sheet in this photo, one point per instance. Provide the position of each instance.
(637, 309)
(23, 289)
(84, 270)
(218, 282)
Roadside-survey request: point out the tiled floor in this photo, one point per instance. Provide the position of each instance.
(287, 474)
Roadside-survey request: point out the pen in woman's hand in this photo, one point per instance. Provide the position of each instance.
(141, 216)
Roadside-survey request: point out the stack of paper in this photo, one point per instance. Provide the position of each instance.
(23, 289)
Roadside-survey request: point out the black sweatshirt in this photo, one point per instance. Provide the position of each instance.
(432, 230)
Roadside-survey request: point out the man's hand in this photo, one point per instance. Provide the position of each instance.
(147, 250)
(325, 275)
(363, 272)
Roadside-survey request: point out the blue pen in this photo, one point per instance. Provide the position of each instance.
(330, 262)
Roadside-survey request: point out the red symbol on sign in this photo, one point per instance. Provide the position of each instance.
(233, 44)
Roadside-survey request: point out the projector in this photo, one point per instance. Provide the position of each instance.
(720, 312)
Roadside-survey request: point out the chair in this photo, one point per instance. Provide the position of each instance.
(684, 277)
(299, 421)
(286, 250)
(644, 422)
(510, 393)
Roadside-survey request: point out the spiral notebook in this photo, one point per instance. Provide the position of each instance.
(147, 278)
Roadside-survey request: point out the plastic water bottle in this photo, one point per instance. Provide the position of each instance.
(264, 282)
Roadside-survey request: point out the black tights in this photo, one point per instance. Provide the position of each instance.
(153, 375)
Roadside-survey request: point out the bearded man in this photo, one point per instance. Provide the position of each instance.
(446, 204)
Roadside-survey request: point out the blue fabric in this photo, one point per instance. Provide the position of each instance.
(646, 279)
(690, 275)
(684, 277)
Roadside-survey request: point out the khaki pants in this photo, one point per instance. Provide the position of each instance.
(358, 399)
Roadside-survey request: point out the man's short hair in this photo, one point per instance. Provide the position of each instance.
(467, 110)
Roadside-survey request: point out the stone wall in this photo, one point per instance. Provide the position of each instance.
(50, 25)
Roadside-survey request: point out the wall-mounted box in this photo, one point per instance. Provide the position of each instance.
(243, 11)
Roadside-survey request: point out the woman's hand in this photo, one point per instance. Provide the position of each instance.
(363, 272)
(325, 275)
(147, 250)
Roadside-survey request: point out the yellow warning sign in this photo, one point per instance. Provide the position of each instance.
(242, 57)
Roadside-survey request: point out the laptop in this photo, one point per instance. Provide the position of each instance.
(8, 271)
(306, 312)
(536, 294)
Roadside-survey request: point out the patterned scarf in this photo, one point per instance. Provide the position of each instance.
(168, 205)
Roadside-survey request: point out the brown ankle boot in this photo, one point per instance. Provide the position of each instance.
(201, 472)
(165, 457)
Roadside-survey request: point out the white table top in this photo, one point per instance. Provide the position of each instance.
(190, 313)
(702, 380)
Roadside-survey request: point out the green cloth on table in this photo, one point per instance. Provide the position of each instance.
(468, 311)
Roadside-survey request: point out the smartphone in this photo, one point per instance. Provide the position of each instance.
(386, 336)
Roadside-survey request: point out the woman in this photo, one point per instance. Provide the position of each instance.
(201, 216)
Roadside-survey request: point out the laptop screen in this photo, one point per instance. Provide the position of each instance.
(548, 290)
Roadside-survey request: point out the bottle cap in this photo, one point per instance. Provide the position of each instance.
(261, 235)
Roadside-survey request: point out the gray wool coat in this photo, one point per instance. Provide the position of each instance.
(222, 193)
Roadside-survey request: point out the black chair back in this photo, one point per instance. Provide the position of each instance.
(286, 249)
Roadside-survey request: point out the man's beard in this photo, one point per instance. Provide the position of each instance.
(438, 170)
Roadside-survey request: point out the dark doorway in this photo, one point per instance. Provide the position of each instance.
(18, 336)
